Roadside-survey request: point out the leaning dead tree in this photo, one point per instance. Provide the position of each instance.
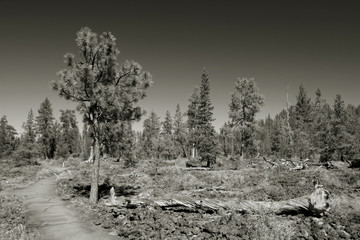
(315, 204)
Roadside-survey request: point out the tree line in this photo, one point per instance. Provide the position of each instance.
(43, 136)
(307, 129)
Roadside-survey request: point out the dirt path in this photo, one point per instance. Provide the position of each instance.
(52, 217)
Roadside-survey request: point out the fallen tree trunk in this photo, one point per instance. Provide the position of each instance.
(315, 204)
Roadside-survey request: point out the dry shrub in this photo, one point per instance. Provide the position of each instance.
(175, 179)
(171, 170)
(180, 162)
(345, 205)
(14, 176)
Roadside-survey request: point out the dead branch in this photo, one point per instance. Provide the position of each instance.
(273, 164)
(195, 168)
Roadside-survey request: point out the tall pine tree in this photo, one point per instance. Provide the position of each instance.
(105, 91)
(167, 148)
(180, 132)
(151, 135)
(28, 148)
(245, 103)
(192, 121)
(7, 137)
(302, 124)
(207, 142)
(44, 126)
(69, 140)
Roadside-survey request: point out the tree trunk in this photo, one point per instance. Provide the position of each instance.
(315, 204)
(94, 192)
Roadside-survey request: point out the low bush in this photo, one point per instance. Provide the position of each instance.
(14, 175)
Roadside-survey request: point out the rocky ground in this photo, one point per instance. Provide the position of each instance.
(154, 180)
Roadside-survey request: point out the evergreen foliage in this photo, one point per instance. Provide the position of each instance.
(245, 103)
(192, 120)
(180, 133)
(69, 136)
(28, 148)
(151, 135)
(105, 92)
(167, 148)
(7, 138)
(44, 127)
(207, 142)
(302, 124)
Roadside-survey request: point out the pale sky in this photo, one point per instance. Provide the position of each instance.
(279, 43)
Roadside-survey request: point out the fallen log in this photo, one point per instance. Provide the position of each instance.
(315, 204)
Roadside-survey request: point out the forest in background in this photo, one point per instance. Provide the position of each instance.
(313, 129)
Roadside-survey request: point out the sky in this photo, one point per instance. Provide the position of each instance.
(279, 43)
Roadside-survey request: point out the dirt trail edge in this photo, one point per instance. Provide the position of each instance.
(52, 217)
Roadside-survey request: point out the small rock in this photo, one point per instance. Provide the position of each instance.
(344, 234)
(114, 233)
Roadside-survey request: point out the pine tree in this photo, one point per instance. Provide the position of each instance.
(167, 148)
(264, 135)
(207, 143)
(353, 129)
(180, 132)
(7, 137)
(226, 139)
(321, 123)
(151, 135)
(105, 93)
(55, 138)
(281, 142)
(69, 139)
(29, 136)
(341, 138)
(127, 144)
(44, 126)
(28, 148)
(302, 124)
(303, 108)
(167, 125)
(192, 121)
(245, 103)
